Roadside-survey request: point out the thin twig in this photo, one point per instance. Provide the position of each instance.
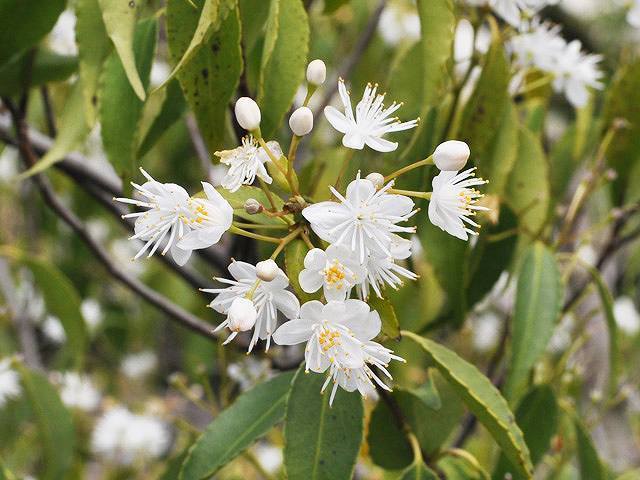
(48, 111)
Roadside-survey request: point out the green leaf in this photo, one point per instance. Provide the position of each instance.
(119, 18)
(72, 132)
(390, 323)
(252, 415)
(624, 151)
(482, 398)
(418, 471)
(284, 60)
(485, 109)
(120, 108)
(210, 77)
(590, 465)
(47, 67)
(528, 190)
(294, 263)
(537, 416)
(172, 109)
(321, 442)
(93, 47)
(538, 303)
(23, 23)
(55, 424)
(253, 14)
(208, 19)
(497, 164)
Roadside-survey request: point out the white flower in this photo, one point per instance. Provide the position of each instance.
(382, 269)
(316, 72)
(576, 73)
(53, 330)
(561, 338)
(269, 456)
(267, 297)
(633, 15)
(9, 382)
(192, 223)
(512, 11)
(78, 391)
(138, 365)
(249, 372)
(246, 162)
(241, 316)
(451, 155)
(398, 23)
(369, 123)
(627, 316)
(335, 270)
(248, 113)
(160, 71)
(376, 178)
(92, 313)
(301, 121)
(339, 339)
(453, 202)
(485, 331)
(62, 39)
(123, 437)
(364, 220)
(267, 270)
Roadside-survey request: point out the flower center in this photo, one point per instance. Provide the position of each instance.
(328, 339)
(334, 274)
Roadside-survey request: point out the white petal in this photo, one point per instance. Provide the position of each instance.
(293, 332)
(337, 119)
(353, 140)
(315, 259)
(380, 144)
(310, 280)
(242, 271)
(179, 255)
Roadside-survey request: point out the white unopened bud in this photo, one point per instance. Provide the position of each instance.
(242, 315)
(252, 206)
(301, 121)
(376, 178)
(267, 270)
(316, 72)
(248, 113)
(451, 155)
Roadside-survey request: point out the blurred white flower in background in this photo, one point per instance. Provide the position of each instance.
(78, 391)
(399, 22)
(269, 456)
(485, 331)
(92, 313)
(562, 335)
(249, 372)
(587, 254)
(123, 437)
(513, 11)
(627, 316)
(9, 382)
(123, 251)
(62, 39)
(52, 329)
(138, 365)
(633, 15)
(160, 71)
(9, 161)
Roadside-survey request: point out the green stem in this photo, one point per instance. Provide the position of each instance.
(408, 168)
(284, 242)
(293, 148)
(267, 192)
(411, 193)
(256, 236)
(261, 226)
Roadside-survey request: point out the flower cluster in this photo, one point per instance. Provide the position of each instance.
(513, 11)
(356, 247)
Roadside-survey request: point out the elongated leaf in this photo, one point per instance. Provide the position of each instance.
(210, 77)
(390, 323)
(538, 298)
(537, 415)
(284, 60)
(237, 427)
(497, 164)
(120, 108)
(119, 18)
(93, 47)
(73, 130)
(528, 189)
(418, 471)
(172, 109)
(590, 465)
(321, 442)
(483, 399)
(294, 262)
(24, 22)
(55, 425)
(46, 67)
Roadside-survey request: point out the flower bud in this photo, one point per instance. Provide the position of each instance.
(248, 113)
(451, 155)
(316, 72)
(301, 121)
(252, 206)
(376, 178)
(267, 270)
(242, 315)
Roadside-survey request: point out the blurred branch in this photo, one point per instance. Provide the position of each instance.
(358, 50)
(154, 298)
(48, 111)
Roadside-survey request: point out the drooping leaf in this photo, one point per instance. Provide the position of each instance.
(210, 14)
(73, 130)
(591, 466)
(284, 60)
(321, 442)
(294, 262)
(210, 76)
(237, 427)
(172, 109)
(390, 323)
(46, 67)
(54, 422)
(482, 398)
(119, 18)
(120, 108)
(538, 304)
(418, 471)
(528, 189)
(253, 15)
(93, 47)
(23, 23)
(537, 416)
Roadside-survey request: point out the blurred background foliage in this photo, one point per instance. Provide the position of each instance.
(544, 302)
